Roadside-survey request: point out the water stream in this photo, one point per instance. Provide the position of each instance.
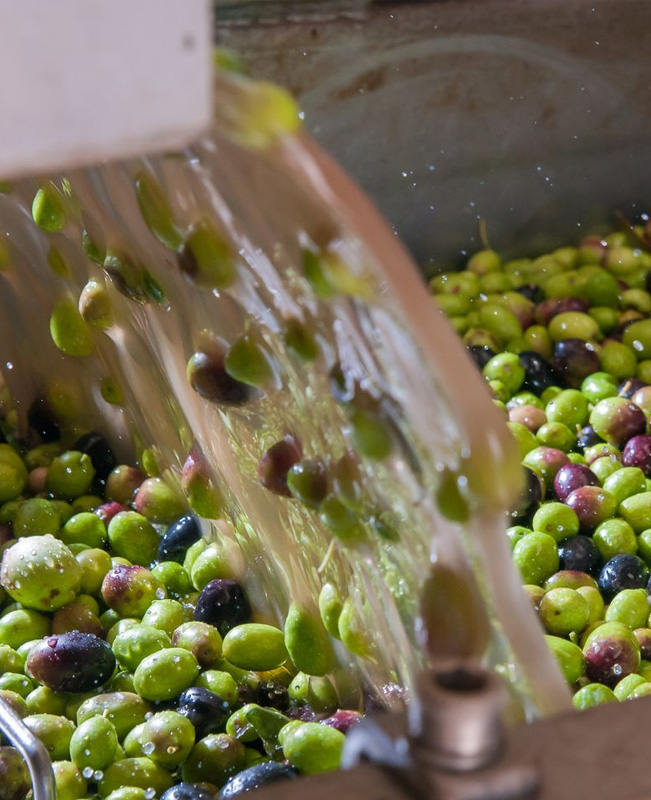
(268, 197)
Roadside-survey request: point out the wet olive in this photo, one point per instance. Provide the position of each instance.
(71, 662)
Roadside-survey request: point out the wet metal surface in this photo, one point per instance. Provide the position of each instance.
(532, 115)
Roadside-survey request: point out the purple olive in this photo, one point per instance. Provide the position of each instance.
(276, 463)
(222, 603)
(571, 477)
(131, 590)
(208, 377)
(205, 710)
(343, 720)
(579, 553)
(574, 360)
(643, 636)
(538, 372)
(71, 662)
(178, 537)
(107, 511)
(611, 653)
(623, 571)
(637, 453)
(617, 420)
(546, 462)
(592, 505)
(548, 309)
(588, 437)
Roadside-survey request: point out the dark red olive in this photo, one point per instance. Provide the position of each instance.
(637, 453)
(571, 477)
(592, 505)
(574, 360)
(208, 377)
(343, 720)
(276, 463)
(107, 511)
(548, 309)
(71, 662)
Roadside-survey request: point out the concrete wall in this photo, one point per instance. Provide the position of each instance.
(533, 114)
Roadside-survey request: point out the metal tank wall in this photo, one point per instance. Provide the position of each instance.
(532, 114)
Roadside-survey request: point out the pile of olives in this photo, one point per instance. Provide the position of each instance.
(131, 651)
(564, 344)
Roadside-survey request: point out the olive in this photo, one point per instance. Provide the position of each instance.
(71, 662)
(208, 377)
(276, 463)
(204, 709)
(178, 537)
(222, 603)
(254, 777)
(187, 791)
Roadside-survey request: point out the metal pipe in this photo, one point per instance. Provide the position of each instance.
(32, 750)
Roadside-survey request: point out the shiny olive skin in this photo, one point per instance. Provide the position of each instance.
(256, 776)
(71, 662)
(224, 604)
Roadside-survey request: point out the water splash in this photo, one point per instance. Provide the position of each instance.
(238, 242)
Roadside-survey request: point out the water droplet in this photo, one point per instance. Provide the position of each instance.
(150, 793)
(148, 748)
(98, 775)
(87, 772)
